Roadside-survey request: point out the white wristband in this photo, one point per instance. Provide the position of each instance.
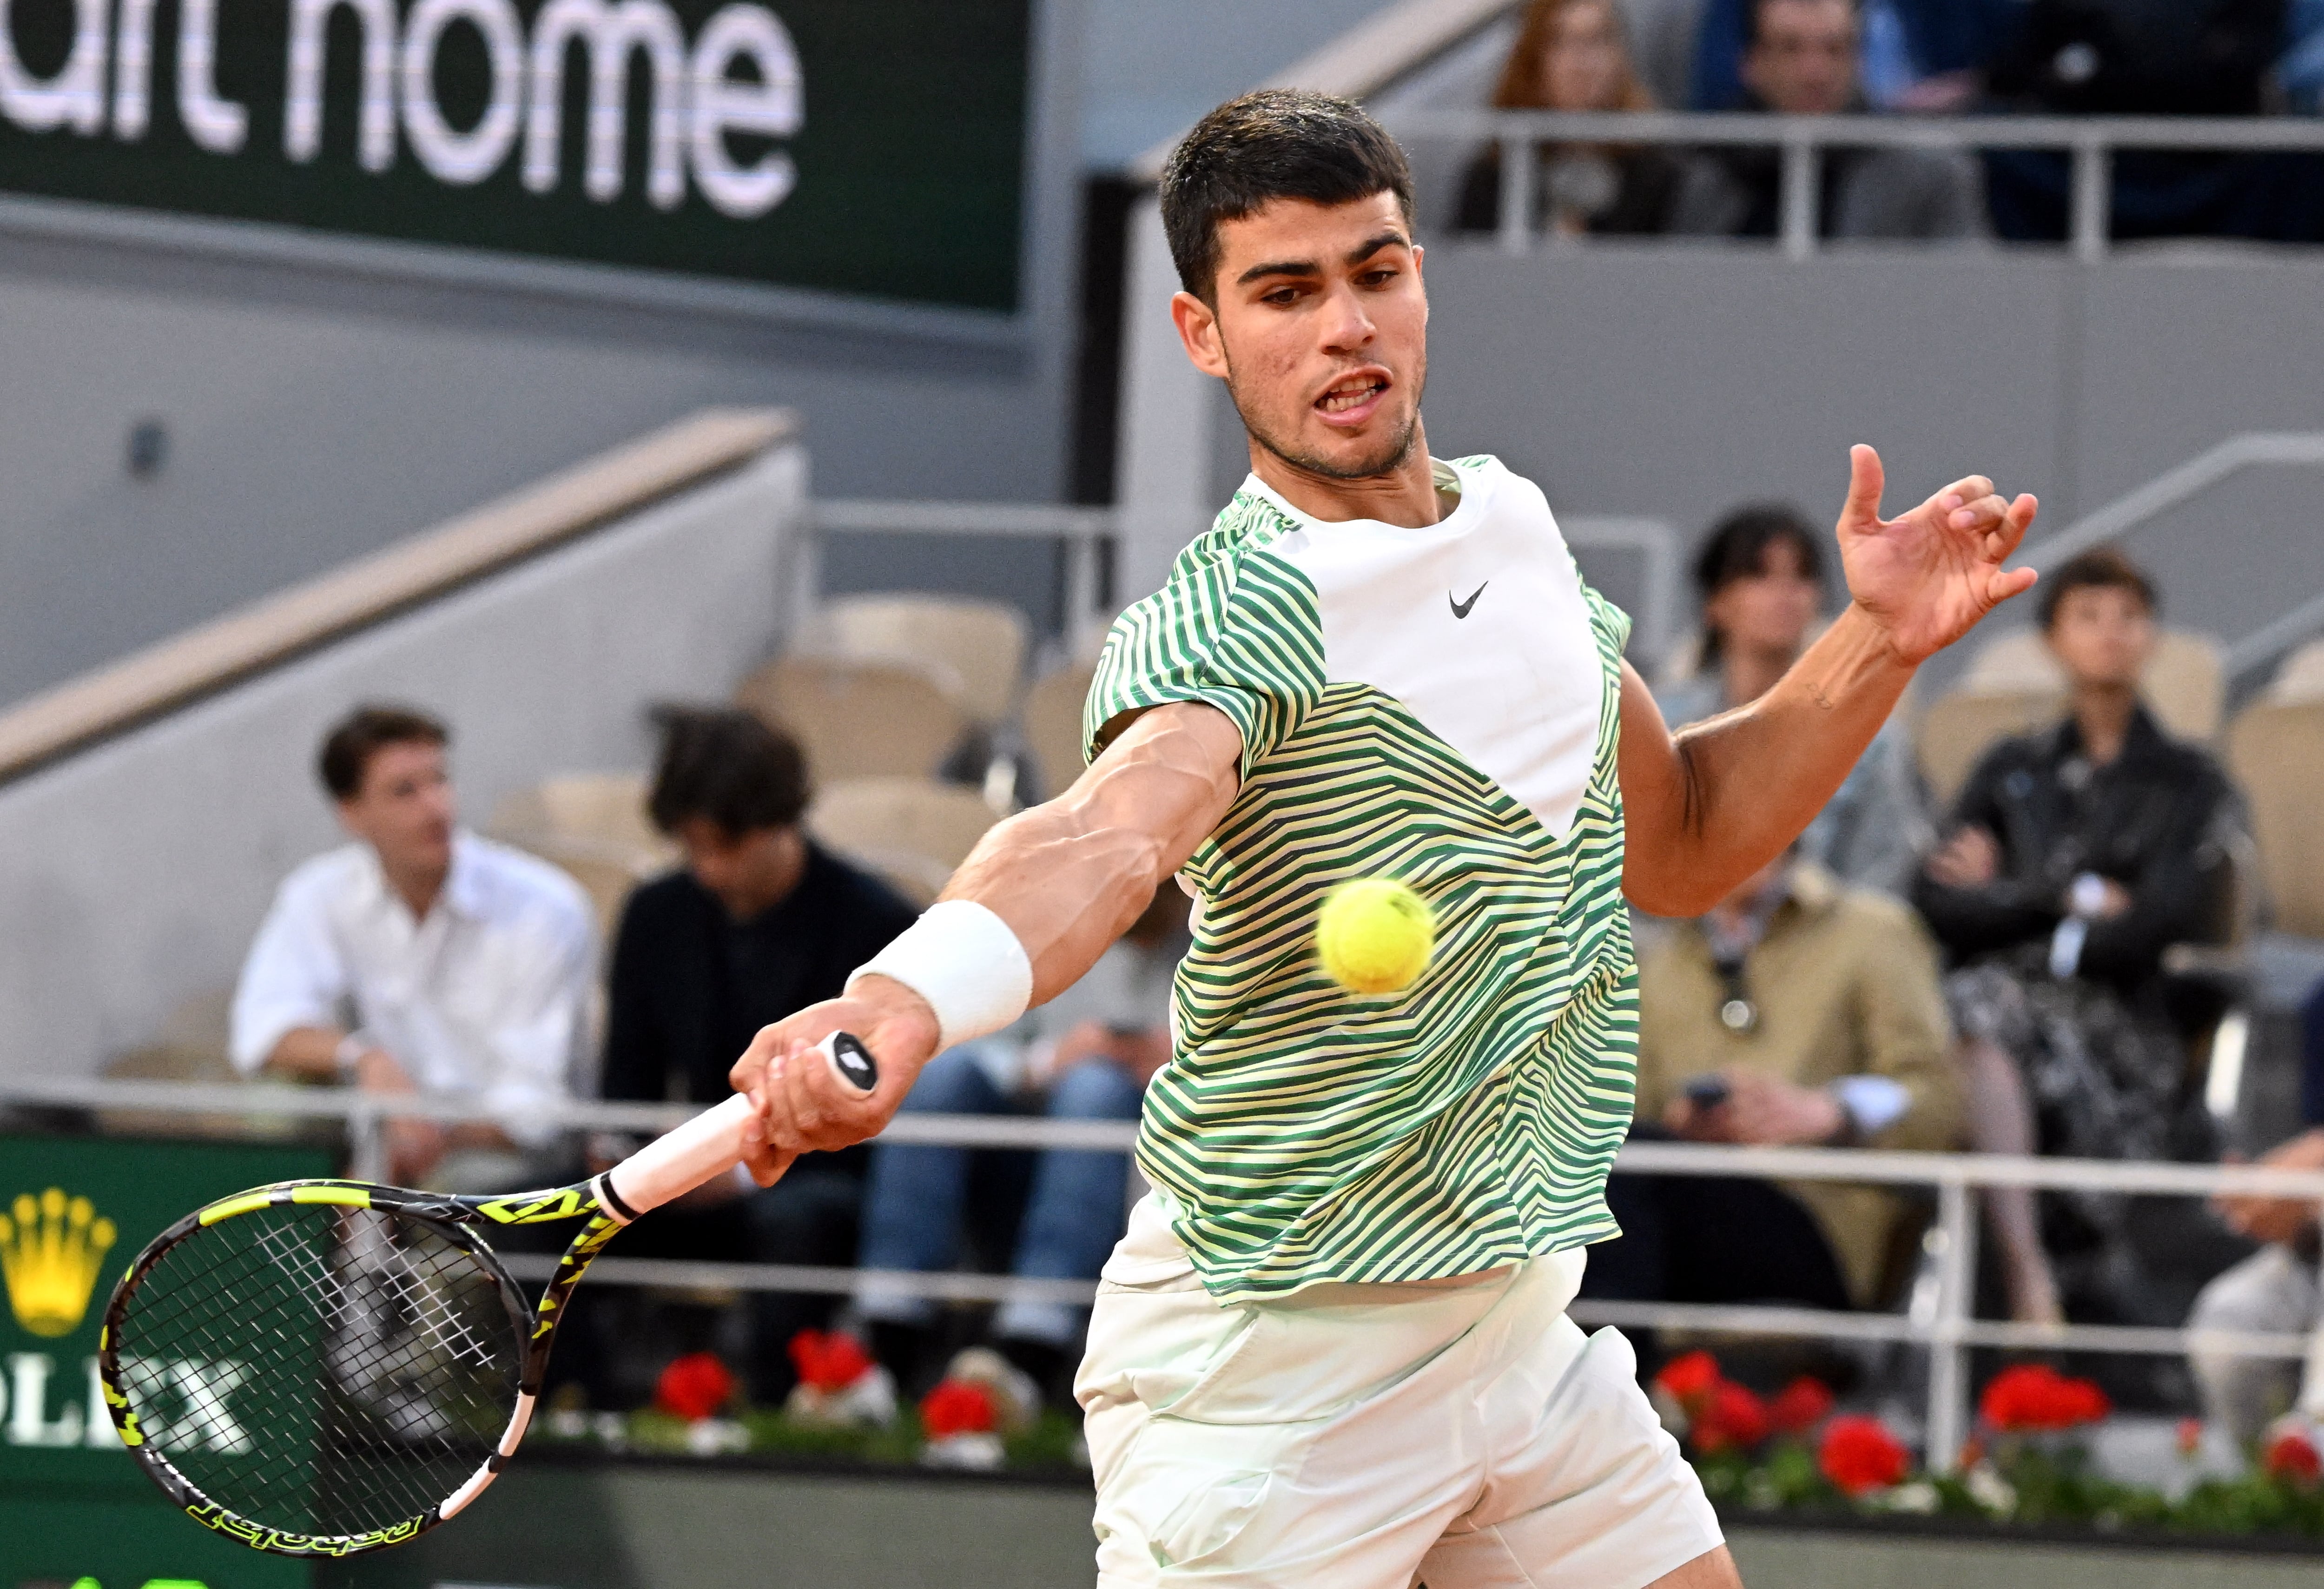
(963, 960)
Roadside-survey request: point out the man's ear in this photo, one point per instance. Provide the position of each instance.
(1198, 328)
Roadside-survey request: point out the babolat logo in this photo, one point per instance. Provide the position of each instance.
(51, 1248)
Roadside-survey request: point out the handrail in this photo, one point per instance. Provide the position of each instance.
(1804, 139)
(1939, 1317)
(279, 628)
(1876, 1167)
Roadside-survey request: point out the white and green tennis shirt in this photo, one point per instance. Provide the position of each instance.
(1440, 705)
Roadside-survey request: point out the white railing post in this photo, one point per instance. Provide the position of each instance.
(1517, 175)
(1947, 1423)
(366, 1141)
(1802, 174)
(2093, 198)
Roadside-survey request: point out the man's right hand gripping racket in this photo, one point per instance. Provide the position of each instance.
(323, 1368)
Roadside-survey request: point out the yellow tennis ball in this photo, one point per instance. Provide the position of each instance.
(1374, 936)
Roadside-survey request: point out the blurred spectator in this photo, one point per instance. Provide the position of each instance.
(2211, 58)
(1760, 576)
(1798, 1013)
(1085, 1055)
(2275, 1290)
(2075, 858)
(1801, 57)
(422, 959)
(2301, 72)
(1918, 55)
(1576, 55)
(760, 922)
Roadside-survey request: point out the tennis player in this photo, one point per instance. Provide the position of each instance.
(1333, 1349)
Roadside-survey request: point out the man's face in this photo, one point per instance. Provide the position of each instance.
(744, 872)
(1769, 611)
(1321, 333)
(2102, 636)
(404, 808)
(1804, 63)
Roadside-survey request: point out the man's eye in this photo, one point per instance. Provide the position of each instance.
(1282, 297)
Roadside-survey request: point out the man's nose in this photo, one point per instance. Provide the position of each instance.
(1345, 324)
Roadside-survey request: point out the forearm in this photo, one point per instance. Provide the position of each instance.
(307, 1053)
(1714, 804)
(1069, 877)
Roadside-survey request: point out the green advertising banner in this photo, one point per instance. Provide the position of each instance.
(872, 150)
(74, 1509)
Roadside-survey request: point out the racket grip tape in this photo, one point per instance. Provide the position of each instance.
(712, 1143)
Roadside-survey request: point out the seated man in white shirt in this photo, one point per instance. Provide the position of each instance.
(421, 958)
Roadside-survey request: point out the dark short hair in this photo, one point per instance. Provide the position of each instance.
(2102, 567)
(1752, 9)
(1737, 549)
(1274, 144)
(728, 766)
(362, 733)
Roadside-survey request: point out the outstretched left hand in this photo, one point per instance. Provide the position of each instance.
(1927, 577)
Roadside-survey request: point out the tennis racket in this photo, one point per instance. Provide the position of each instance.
(322, 1368)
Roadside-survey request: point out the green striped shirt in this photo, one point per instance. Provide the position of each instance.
(1439, 706)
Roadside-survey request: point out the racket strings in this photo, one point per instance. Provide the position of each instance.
(320, 1370)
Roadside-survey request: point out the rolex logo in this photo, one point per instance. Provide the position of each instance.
(50, 1253)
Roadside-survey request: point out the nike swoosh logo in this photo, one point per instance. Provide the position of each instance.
(1461, 608)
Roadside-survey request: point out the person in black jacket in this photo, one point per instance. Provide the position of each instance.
(760, 922)
(2075, 858)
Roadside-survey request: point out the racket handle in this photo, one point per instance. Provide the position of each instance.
(712, 1143)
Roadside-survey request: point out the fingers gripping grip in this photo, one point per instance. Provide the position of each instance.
(712, 1143)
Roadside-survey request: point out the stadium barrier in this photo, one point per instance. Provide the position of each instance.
(2093, 142)
(1938, 1317)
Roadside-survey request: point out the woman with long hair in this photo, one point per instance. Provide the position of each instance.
(1576, 55)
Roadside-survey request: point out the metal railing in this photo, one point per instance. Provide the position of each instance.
(1940, 1316)
(1804, 140)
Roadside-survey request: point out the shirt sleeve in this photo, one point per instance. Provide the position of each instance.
(1235, 628)
(293, 976)
(635, 1063)
(1907, 1037)
(544, 1019)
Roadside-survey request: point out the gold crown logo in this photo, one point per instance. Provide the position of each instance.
(50, 1253)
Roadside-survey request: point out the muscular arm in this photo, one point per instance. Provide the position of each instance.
(1067, 878)
(1707, 808)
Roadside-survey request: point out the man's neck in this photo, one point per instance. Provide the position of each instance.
(1404, 495)
(2103, 714)
(1751, 674)
(780, 878)
(418, 887)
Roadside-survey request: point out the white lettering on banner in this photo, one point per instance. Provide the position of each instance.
(132, 69)
(96, 1423)
(205, 1386)
(74, 97)
(303, 112)
(611, 32)
(741, 78)
(772, 106)
(456, 157)
(218, 126)
(28, 1386)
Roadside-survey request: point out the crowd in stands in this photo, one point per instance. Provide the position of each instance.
(2152, 58)
(1995, 976)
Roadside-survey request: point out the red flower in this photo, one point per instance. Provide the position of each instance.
(1859, 1454)
(693, 1387)
(2036, 1396)
(830, 1362)
(1690, 1380)
(957, 1407)
(2191, 1436)
(1735, 1418)
(2292, 1456)
(1800, 1405)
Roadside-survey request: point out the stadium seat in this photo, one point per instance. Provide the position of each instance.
(2302, 676)
(2013, 687)
(913, 831)
(2276, 753)
(859, 718)
(980, 645)
(594, 825)
(1053, 722)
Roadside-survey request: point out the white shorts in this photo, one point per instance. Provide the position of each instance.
(1463, 1435)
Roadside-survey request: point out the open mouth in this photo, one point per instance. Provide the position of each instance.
(1352, 392)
